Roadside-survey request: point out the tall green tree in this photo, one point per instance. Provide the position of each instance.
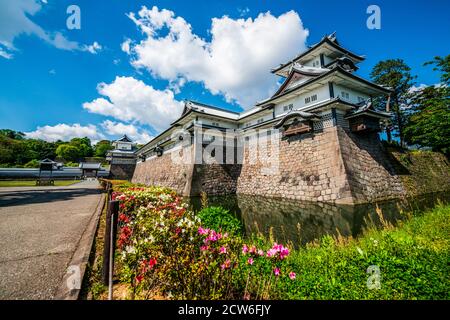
(442, 65)
(396, 74)
(17, 135)
(429, 123)
(83, 145)
(102, 147)
(69, 152)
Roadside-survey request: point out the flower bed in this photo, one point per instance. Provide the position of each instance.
(167, 251)
(164, 249)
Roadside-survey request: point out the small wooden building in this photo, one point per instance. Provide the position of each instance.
(90, 169)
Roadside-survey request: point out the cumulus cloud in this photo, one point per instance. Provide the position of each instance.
(15, 21)
(128, 99)
(235, 62)
(118, 129)
(415, 88)
(65, 132)
(93, 48)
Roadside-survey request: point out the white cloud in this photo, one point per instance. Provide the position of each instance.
(15, 21)
(128, 99)
(65, 132)
(118, 129)
(5, 54)
(93, 48)
(420, 87)
(235, 63)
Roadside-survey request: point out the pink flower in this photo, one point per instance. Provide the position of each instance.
(252, 249)
(250, 261)
(226, 264)
(271, 252)
(223, 250)
(204, 248)
(260, 252)
(292, 275)
(244, 249)
(276, 271)
(203, 231)
(284, 253)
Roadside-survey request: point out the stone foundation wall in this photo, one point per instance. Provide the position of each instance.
(162, 171)
(370, 170)
(215, 179)
(330, 165)
(310, 168)
(121, 171)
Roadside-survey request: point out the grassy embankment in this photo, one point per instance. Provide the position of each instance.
(412, 257)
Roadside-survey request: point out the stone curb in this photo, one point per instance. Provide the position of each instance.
(80, 257)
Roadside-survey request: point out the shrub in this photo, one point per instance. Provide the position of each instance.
(165, 248)
(219, 218)
(32, 164)
(71, 164)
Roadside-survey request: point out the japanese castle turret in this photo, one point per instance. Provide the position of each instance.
(323, 131)
(122, 158)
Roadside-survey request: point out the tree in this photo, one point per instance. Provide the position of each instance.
(442, 65)
(102, 147)
(83, 145)
(394, 73)
(17, 135)
(40, 149)
(428, 124)
(69, 152)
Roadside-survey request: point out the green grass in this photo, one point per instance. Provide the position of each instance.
(32, 183)
(413, 258)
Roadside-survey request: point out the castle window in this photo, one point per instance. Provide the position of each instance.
(311, 98)
(288, 107)
(260, 120)
(345, 95)
(216, 124)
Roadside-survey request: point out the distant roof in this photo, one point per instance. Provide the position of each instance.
(330, 40)
(125, 139)
(47, 160)
(85, 165)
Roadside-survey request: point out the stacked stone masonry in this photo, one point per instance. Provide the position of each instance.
(328, 165)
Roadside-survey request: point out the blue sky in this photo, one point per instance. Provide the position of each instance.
(49, 80)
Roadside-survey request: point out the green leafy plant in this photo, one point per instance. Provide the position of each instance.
(219, 218)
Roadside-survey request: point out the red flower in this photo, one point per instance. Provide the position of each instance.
(152, 262)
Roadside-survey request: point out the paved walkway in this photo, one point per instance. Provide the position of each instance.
(40, 228)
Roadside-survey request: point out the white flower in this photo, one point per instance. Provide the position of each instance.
(360, 251)
(130, 249)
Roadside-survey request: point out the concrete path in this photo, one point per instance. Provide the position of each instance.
(40, 228)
